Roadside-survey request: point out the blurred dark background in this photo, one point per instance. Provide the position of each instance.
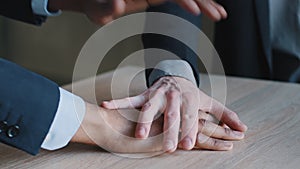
(52, 49)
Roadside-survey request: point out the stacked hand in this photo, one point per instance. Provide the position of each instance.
(104, 11)
(111, 131)
(181, 101)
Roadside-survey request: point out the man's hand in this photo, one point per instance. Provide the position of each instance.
(210, 8)
(111, 131)
(180, 101)
(99, 11)
(104, 11)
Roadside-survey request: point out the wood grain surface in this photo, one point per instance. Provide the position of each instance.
(270, 109)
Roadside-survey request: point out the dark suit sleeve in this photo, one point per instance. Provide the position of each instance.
(171, 44)
(239, 41)
(20, 10)
(28, 103)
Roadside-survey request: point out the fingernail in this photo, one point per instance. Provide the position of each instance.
(169, 146)
(105, 103)
(187, 143)
(238, 134)
(227, 144)
(142, 132)
(244, 125)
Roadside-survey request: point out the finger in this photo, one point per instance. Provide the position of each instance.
(148, 113)
(205, 142)
(126, 103)
(189, 5)
(213, 130)
(222, 113)
(207, 116)
(135, 5)
(208, 9)
(232, 120)
(118, 7)
(189, 126)
(221, 9)
(171, 121)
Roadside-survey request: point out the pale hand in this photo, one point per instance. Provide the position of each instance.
(209, 8)
(105, 11)
(111, 131)
(180, 101)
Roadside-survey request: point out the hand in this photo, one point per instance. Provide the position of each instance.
(213, 136)
(108, 129)
(179, 100)
(111, 131)
(99, 11)
(210, 8)
(104, 11)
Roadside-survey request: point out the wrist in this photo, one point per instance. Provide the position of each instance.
(88, 132)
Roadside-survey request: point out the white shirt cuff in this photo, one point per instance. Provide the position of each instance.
(40, 7)
(69, 115)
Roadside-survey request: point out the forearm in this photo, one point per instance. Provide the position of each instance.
(29, 101)
(89, 121)
(170, 44)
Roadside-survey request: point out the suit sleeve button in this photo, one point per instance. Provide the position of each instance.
(13, 131)
(3, 126)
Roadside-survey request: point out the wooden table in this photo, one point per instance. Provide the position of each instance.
(270, 109)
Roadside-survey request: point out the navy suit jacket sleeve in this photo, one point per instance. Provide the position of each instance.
(171, 44)
(20, 10)
(28, 104)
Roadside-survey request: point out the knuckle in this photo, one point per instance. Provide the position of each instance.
(173, 83)
(173, 94)
(166, 79)
(227, 131)
(146, 107)
(172, 116)
(189, 117)
(175, 88)
(202, 122)
(160, 90)
(164, 84)
(215, 143)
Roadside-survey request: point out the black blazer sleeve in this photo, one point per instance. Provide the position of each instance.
(171, 44)
(28, 103)
(20, 10)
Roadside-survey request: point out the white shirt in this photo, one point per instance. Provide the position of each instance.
(71, 108)
(67, 120)
(40, 7)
